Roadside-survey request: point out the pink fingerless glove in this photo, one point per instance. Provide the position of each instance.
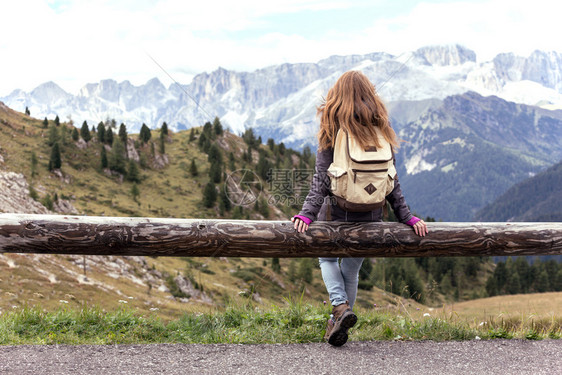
(412, 221)
(306, 220)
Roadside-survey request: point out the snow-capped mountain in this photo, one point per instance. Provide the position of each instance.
(473, 129)
(467, 151)
(280, 101)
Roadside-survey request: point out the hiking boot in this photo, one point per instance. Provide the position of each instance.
(342, 320)
(329, 328)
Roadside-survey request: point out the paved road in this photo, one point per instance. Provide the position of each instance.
(468, 357)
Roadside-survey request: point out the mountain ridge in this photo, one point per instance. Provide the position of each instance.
(285, 96)
(538, 198)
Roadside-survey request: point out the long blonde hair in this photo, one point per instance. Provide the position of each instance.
(353, 105)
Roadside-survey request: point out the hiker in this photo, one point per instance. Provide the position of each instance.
(354, 176)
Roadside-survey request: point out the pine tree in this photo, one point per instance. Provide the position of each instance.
(33, 193)
(217, 126)
(193, 168)
(45, 123)
(34, 163)
(249, 154)
(215, 172)
(47, 202)
(263, 167)
(292, 271)
(306, 154)
(224, 200)
(500, 274)
(541, 285)
(101, 132)
(366, 270)
(209, 195)
(237, 213)
(145, 133)
(164, 130)
(250, 138)
(162, 145)
(64, 135)
(117, 157)
(133, 173)
(123, 133)
(135, 192)
(104, 162)
(57, 121)
(214, 155)
(27, 111)
(75, 135)
(557, 282)
(491, 286)
(271, 144)
(109, 136)
(264, 208)
(201, 141)
(208, 130)
(275, 265)
(513, 285)
(191, 134)
(306, 266)
(53, 135)
(85, 132)
(231, 161)
(55, 161)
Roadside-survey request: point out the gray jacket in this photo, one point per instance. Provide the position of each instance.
(316, 203)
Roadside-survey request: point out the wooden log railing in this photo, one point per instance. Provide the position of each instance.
(94, 235)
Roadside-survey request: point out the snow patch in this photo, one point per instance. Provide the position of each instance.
(455, 141)
(235, 121)
(449, 167)
(416, 164)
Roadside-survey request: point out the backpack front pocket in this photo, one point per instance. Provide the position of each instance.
(368, 185)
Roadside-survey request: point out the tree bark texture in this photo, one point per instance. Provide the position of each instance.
(94, 235)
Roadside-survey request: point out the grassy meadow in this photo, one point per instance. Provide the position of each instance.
(296, 321)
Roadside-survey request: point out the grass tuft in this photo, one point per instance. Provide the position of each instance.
(297, 321)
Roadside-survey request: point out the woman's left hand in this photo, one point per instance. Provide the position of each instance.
(420, 228)
(299, 225)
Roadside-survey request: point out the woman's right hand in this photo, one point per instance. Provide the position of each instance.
(420, 228)
(299, 225)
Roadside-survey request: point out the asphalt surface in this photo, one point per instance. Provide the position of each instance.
(382, 357)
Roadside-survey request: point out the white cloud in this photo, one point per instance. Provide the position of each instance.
(75, 42)
(488, 27)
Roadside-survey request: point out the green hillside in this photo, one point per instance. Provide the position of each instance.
(167, 186)
(538, 198)
(188, 174)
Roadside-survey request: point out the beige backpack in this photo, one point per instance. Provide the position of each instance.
(361, 178)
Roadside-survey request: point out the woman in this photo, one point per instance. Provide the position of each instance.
(353, 106)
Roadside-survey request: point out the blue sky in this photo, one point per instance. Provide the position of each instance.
(74, 42)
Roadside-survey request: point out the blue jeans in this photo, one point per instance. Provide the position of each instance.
(341, 278)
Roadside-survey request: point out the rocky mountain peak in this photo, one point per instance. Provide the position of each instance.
(48, 91)
(445, 55)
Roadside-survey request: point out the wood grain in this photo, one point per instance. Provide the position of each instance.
(94, 235)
